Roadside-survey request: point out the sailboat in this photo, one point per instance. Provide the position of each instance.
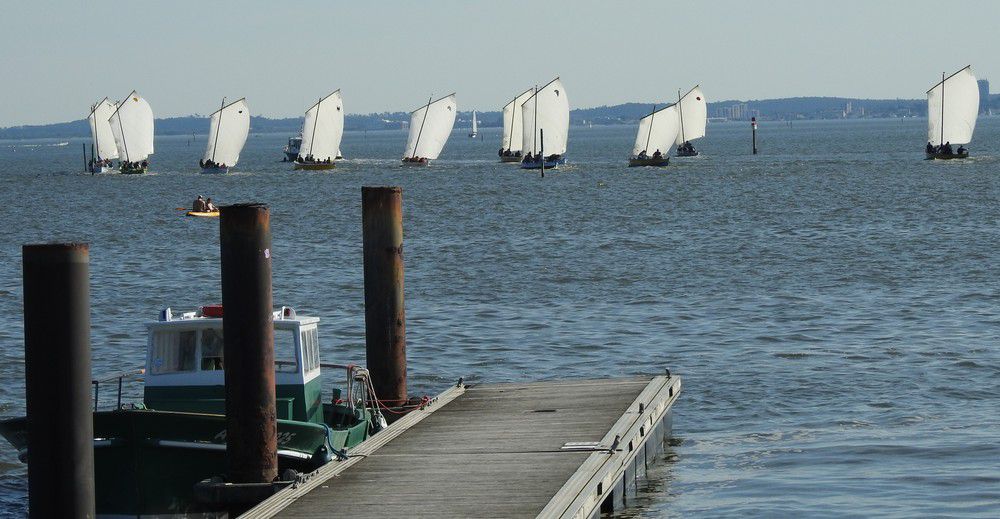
(132, 127)
(322, 130)
(510, 144)
(952, 107)
(692, 110)
(430, 126)
(657, 133)
(545, 112)
(227, 134)
(102, 148)
(475, 127)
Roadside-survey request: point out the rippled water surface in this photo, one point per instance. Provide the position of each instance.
(833, 303)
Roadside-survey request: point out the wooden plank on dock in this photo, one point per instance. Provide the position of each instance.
(494, 451)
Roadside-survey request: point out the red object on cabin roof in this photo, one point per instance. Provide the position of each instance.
(211, 310)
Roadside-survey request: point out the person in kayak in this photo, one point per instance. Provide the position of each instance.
(209, 206)
(199, 205)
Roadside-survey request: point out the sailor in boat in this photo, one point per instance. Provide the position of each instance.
(529, 158)
(502, 152)
(930, 148)
(642, 155)
(946, 149)
(657, 154)
(199, 205)
(961, 149)
(687, 147)
(209, 206)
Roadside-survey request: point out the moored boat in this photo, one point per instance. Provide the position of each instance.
(656, 134)
(291, 150)
(322, 132)
(148, 457)
(132, 127)
(430, 126)
(511, 139)
(227, 134)
(545, 126)
(692, 113)
(952, 109)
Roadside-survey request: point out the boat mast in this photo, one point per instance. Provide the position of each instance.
(122, 128)
(315, 122)
(534, 124)
(218, 130)
(97, 142)
(942, 109)
(421, 130)
(513, 110)
(650, 132)
(681, 112)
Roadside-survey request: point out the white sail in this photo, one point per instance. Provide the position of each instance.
(693, 114)
(323, 128)
(657, 131)
(475, 127)
(100, 130)
(430, 126)
(132, 126)
(959, 95)
(513, 123)
(228, 133)
(551, 117)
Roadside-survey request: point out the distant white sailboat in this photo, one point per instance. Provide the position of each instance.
(102, 148)
(952, 108)
(132, 127)
(656, 135)
(513, 126)
(322, 131)
(692, 111)
(430, 126)
(227, 134)
(545, 127)
(475, 127)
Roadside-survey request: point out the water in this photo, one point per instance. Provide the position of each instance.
(832, 303)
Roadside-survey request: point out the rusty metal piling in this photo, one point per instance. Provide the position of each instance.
(57, 380)
(248, 337)
(385, 317)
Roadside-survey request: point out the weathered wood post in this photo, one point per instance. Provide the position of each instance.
(57, 380)
(385, 317)
(248, 343)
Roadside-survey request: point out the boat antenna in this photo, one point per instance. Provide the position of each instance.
(421, 130)
(942, 109)
(681, 112)
(218, 129)
(315, 122)
(650, 132)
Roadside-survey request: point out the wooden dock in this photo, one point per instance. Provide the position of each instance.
(544, 449)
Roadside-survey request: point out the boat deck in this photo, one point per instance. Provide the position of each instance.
(502, 450)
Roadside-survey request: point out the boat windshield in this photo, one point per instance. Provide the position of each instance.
(175, 351)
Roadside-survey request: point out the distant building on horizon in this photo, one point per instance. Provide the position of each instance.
(984, 95)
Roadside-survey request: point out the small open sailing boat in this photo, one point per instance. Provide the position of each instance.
(226, 136)
(952, 108)
(132, 127)
(510, 144)
(102, 148)
(475, 127)
(430, 126)
(545, 111)
(692, 110)
(657, 132)
(322, 130)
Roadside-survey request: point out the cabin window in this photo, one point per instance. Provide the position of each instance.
(211, 349)
(284, 351)
(173, 352)
(310, 349)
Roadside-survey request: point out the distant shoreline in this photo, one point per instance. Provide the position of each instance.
(785, 109)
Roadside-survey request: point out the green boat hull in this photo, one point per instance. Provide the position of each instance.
(147, 462)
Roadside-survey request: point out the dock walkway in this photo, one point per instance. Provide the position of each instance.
(544, 449)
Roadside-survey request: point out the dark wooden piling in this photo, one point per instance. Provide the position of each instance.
(248, 337)
(753, 124)
(57, 380)
(385, 317)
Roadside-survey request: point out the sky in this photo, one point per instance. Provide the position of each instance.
(60, 56)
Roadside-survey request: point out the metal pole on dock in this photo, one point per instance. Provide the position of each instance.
(248, 343)
(57, 380)
(385, 317)
(753, 124)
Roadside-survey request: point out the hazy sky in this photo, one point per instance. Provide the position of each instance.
(58, 57)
